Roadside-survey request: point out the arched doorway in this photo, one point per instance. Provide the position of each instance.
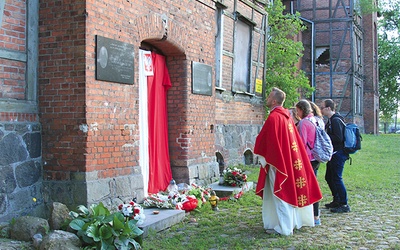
(155, 112)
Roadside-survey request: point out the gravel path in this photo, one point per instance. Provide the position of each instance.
(357, 229)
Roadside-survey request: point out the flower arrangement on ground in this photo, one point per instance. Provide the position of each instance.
(187, 198)
(234, 177)
(158, 200)
(134, 211)
(202, 194)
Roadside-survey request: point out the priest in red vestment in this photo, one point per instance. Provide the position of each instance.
(286, 182)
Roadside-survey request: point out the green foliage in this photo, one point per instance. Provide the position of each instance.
(283, 53)
(389, 61)
(365, 7)
(101, 229)
(389, 10)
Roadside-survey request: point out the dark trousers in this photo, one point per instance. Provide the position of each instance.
(315, 165)
(333, 176)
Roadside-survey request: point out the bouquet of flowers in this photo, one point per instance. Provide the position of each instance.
(158, 200)
(134, 211)
(234, 177)
(201, 194)
(187, 198)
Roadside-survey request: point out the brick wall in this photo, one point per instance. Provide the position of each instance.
(371, 90)
(88, 129)
(239, 117)
(62, 90)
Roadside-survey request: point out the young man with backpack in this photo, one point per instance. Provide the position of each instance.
(335, 128)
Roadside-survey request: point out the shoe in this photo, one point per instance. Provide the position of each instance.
(317, 222)
(341, 209)
(333, 204)
(271, 232)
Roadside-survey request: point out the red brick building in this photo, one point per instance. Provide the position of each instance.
(70, 129)
(71, 112)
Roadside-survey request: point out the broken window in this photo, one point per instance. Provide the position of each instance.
(322, 55)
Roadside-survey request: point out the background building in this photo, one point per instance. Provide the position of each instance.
(341, 57)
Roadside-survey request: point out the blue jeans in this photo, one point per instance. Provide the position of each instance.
(315, 165)
(333, 176)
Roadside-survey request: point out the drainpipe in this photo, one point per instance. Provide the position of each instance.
(312, 56)
(312, 49)
(264, 97)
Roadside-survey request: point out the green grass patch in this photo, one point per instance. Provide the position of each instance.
(372, 182)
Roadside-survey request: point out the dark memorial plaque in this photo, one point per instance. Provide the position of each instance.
(201, 79)
(114, 60)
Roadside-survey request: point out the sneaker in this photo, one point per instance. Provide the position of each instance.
(333, 204)
(317, 222)
(341, 209)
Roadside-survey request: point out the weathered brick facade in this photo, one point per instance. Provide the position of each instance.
(67, 137)
(371, 82)
(341, 57)
(89, 128)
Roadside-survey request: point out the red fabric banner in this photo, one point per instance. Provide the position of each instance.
(159, 164)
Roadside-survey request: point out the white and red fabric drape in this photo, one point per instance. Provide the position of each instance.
(153, 116)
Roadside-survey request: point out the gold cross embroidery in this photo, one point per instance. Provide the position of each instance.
(290, 128)
(298, 164)
(300, 182)
(302, 200)
(295, 147)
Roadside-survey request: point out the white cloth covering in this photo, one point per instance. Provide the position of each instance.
(279, 215)
(143, 125)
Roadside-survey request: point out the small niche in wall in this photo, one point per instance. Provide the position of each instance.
(248, 157)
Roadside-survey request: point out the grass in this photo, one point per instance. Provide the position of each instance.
(372, 183)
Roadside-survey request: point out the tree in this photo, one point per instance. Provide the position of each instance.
(283, 53)
(389, 61)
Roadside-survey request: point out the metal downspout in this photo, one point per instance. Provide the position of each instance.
(312, 56)
(312, 49)
(265, 57)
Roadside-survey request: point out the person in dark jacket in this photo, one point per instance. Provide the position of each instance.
(334, 168)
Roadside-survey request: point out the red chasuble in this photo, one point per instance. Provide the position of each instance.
(280, 144)
(159, 165)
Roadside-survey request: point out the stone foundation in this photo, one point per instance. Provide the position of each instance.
(20, 170)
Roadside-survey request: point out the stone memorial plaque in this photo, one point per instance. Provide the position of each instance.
(114, 60)
(201, 79)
